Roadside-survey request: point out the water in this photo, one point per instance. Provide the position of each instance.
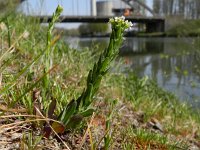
(172, 62)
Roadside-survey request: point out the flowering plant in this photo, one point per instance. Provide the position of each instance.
(119, 25)
(76, 110)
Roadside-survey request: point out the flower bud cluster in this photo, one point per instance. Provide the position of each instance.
(120, 22)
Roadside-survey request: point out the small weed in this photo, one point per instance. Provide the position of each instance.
(30, 142)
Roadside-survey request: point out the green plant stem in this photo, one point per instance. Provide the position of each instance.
(95, 75)
(48, 54)
(102, 66)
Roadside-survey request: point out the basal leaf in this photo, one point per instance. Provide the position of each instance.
(58, 127)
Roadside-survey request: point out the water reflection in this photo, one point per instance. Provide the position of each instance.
(143, 46)
(171, 62)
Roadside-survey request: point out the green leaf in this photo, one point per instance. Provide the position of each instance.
(94, 72)
(89, 78)
(74, 122)
(68, 112)
(58, 127)
(88, 95)
(87, 113)
(105, 64)
(79, 100)
(111, 45)
(97, 83)
(52, 107)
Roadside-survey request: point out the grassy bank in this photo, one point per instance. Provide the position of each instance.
(185, 28)
(129, 112)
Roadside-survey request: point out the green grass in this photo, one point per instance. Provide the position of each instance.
(21, 87)
(144, 139)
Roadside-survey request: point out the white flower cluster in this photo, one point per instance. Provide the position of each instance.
(121, 21)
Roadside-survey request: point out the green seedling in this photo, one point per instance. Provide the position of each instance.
(48, 51)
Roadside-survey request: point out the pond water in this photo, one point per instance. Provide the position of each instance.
(172, 62)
